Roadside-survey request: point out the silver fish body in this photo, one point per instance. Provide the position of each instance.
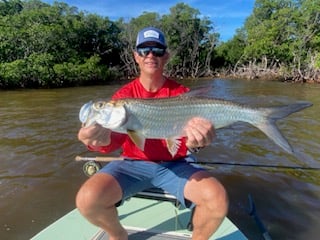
(165, 118)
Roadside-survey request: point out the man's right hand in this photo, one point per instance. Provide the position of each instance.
(95, 135)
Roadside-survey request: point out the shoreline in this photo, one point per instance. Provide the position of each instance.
(222, 75)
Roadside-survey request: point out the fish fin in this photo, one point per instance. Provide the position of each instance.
(271, 115)
(137, 138)
(173, 145)
(283, 111)
(200, 91)
(270, 129)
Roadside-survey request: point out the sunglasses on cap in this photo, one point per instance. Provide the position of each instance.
(156, 51)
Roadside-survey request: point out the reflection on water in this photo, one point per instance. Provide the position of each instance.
(39, 177)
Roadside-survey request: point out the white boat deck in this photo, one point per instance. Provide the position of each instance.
(143, 218)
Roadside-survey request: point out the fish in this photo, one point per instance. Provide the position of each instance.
(165, 118)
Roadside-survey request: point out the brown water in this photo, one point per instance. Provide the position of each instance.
(39, 177)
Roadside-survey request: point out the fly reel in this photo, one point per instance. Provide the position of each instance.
(91, 167)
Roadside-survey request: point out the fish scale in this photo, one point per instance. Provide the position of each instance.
(168, 118)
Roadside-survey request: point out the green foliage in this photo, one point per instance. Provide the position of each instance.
(229, 53)
(43, 45)
(188, 36)
(9, 76)
(37, 37)
(10, 7)
(90, 72)
(34, 71)
(281, 35)
(269, 30)
(317, 61)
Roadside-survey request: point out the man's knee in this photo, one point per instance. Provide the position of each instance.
(217, 201)
(85, 200)
(100, 191)
(206, 191)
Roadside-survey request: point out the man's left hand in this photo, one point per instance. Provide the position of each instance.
(200, 133)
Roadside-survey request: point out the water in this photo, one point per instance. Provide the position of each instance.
(39, 177)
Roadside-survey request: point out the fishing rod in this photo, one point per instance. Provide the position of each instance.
(109, 159)
(262, 166)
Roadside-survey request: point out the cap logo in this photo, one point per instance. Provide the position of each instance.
(151, 34)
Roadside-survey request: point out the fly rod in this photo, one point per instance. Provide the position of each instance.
(109, 159)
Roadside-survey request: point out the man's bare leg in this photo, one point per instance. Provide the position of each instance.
(96, 201)
(211, 204)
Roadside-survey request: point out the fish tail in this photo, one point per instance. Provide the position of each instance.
(271, 115)
(283, 111)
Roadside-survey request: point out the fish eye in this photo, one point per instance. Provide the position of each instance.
(99, 105)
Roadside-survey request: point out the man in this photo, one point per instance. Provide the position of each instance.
(118, 180)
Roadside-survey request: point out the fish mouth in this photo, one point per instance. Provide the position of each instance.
(85, 112)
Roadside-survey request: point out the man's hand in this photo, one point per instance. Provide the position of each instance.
(200, 133)
(95, 135)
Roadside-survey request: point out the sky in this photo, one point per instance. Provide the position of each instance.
(226, 15)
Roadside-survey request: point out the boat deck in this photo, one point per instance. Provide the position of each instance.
(143, 218)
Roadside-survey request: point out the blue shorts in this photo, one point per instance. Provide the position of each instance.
(135, 176)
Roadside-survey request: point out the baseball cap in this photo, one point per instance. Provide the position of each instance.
(151, 34)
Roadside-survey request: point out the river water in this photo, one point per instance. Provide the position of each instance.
(39, 177)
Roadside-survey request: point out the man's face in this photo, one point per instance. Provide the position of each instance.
(151, 57)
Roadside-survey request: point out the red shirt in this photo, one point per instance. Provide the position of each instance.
(154, 149)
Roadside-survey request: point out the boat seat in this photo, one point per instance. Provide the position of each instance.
(160, 194)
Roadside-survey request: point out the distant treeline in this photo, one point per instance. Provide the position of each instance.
(43, 45)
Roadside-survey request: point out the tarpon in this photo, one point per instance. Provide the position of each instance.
(165, 118)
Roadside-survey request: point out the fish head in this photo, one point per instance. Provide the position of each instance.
(109, 114)
(112, 114)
